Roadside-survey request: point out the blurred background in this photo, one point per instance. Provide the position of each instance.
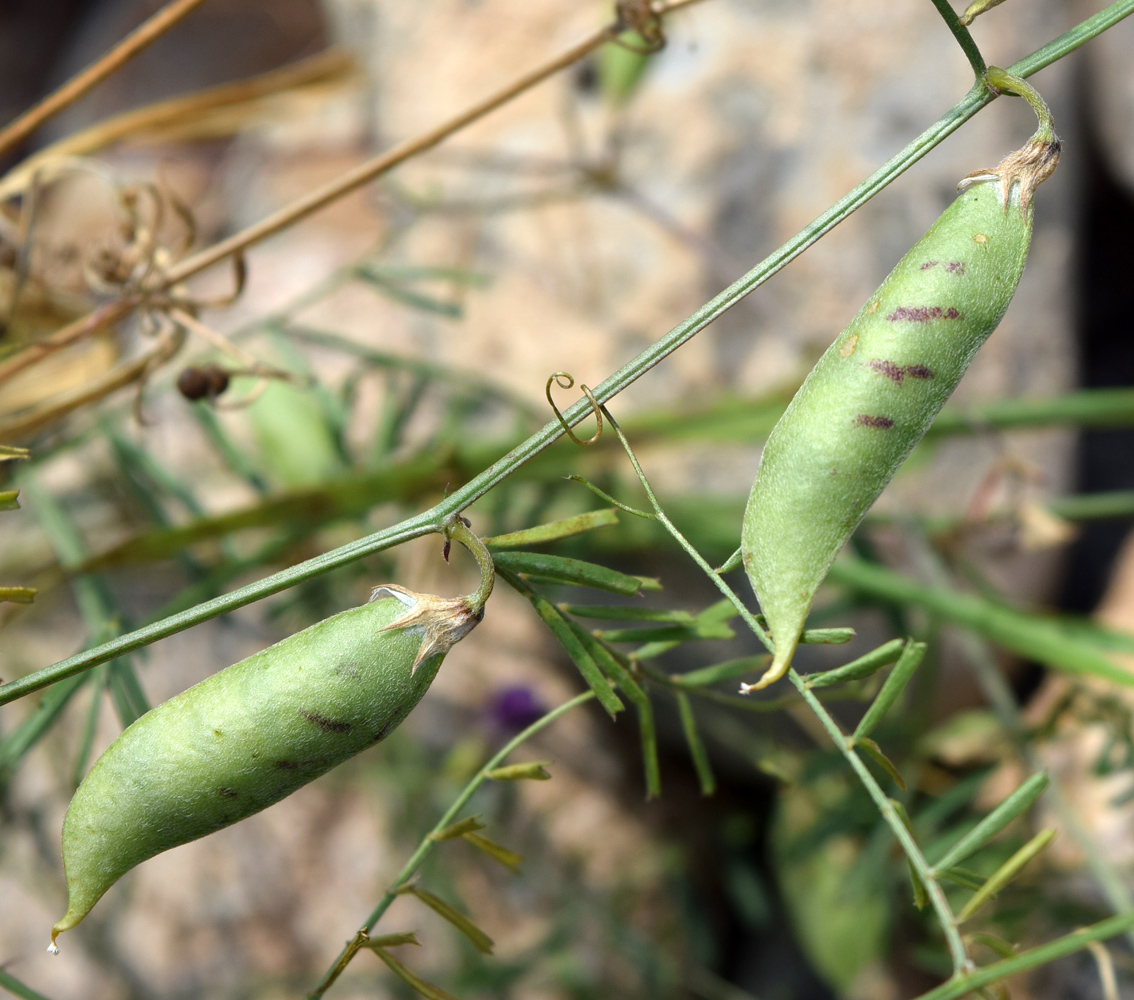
(418, 320)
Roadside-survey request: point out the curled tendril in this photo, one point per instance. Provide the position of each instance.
(565, 380)
(639, 16)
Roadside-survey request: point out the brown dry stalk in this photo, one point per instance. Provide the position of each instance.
(142, 36)
(155, 122)
(321, 197)
(122, 374)
(378, 165)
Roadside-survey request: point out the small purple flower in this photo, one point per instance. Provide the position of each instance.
(515, 708)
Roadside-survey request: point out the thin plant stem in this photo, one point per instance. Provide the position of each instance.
(964, 39)
(428, 843)
(1004, 707)
(433, 519)
(696, 556)
(965, 985)
(141, 37)
(961, 961)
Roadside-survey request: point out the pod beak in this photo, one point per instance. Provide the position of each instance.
(781, 661)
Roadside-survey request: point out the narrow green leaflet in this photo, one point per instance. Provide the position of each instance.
(819, 636)
(538, 567)
(920, 893)
(553, 530)
(10, 452)
(1006, 872)
(864, 666)
(16, 988)
(727, 671)
(613, 667)
(975, 9)
(1093, 634)
(895, 684)
(391, 940)
(732, 562)
(27, 733)
(394, 283)
(669, 633)
(1035, 636)
(1014, 805)
(995, 944)
(875, 753)
(427, 272)
(647, 730)
(413, 981)
(533, 770)
(9, 500)
(498, 852)
(129, 699)
(570, 642)
(697, 751)
(960, 986)
(622, 613)
(469, 824)
(481, 941)
(86, 740)
(963, 877)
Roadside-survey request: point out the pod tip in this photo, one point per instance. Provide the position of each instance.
(779, 667)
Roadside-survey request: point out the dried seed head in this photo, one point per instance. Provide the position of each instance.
(200, 382)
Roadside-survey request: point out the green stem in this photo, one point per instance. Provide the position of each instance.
(1003, 81)
(966, 985)
(964, 39)
(462, 533)
(434, 519)
(961, 960)
(696, 556)
(845, 745)
(428, 843)
(1004, 707)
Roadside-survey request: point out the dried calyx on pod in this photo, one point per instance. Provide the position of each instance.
(253, 733)
(877, 388)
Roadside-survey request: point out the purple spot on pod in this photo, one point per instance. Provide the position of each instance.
(515, 708)
(880, 423)
(327, 725)
(922, 314)
(896, 372)
(929, 263)
(892, 371)
(956, 267)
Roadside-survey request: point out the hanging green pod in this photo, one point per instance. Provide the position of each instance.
(256, 731)
(877, 388)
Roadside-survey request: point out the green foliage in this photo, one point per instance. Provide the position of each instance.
(833, 837)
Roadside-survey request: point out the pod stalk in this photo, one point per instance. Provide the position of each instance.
(444, 621)
(1035, 161)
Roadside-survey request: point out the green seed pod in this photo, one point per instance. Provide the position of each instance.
(877, 388)
(253, 733)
